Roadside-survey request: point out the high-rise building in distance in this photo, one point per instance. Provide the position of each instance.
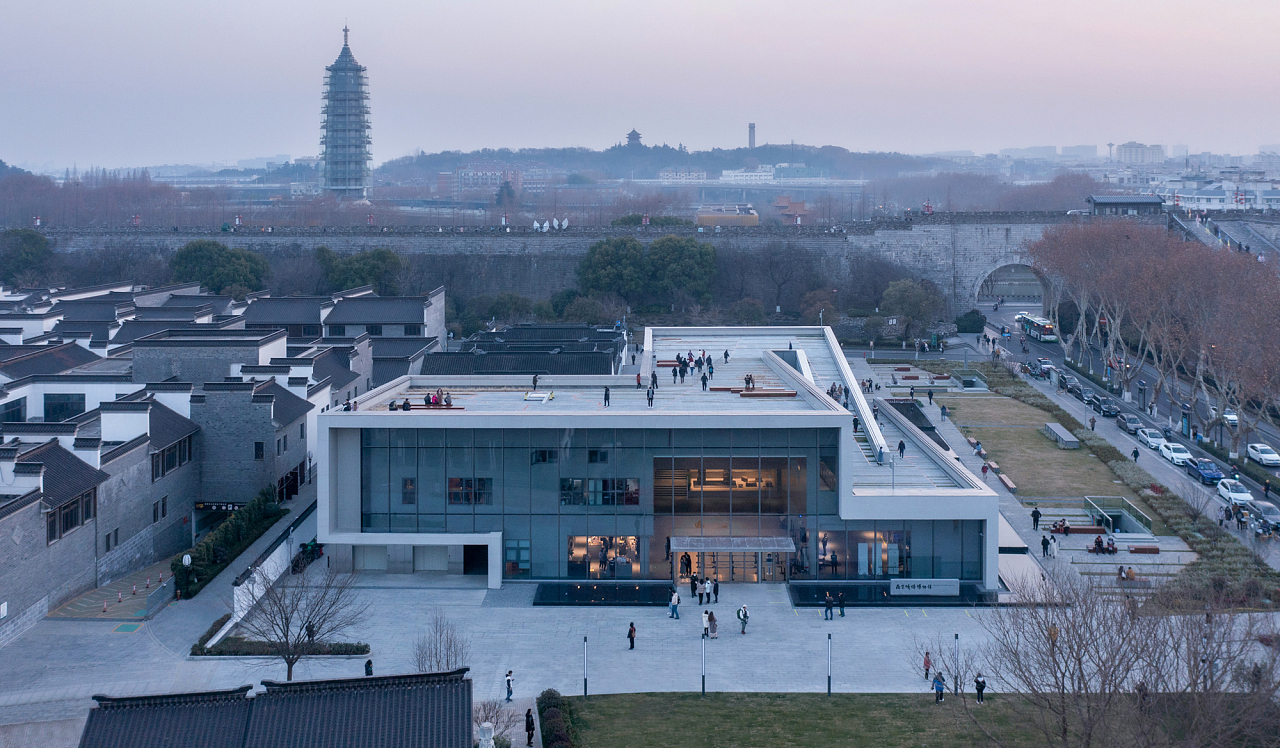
(344, 146)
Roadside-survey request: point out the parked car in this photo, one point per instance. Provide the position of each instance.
(1129, 422)
(1203, 470)
(1267, 512)
(1106, 406)
(1229, 416)
(1175, 453)
(1263, 454)
(1082, 393)
(1151, 437)
(1069, 382)
(1044, 362)
(1234, 491)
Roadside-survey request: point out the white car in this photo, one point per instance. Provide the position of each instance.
(1229, 416)
(1264, 455)
(1175, 453)
(1234, 492)
(1151, 438)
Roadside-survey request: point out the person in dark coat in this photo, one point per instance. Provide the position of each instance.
(1035, 518)
(631, 635)
(827, 604)
(528, 726)
(1044, 546)
(840, 602)
(715, 589)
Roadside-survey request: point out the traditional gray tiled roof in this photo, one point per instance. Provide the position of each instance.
(430, 710)
(98, 309)
(54, 359)
(286, 310)
(214, 719)
(446, 364)
(288, 407)
(65, 475)
(331, 364)
(378, 310)
(166, 427)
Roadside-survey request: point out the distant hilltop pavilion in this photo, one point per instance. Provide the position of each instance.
(344, 146)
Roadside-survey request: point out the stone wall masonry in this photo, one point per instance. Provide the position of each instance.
(126, 502)
(954, 250)
(36, 576)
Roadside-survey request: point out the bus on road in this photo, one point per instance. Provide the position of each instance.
(1039, 328)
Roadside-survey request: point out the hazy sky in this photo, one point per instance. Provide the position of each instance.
(113, 83)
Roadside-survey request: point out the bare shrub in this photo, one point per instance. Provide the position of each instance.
(505, 720)
(441, 647)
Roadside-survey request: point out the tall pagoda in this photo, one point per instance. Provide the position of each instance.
(344, 146)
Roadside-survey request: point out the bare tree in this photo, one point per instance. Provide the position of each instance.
(441, 647)
(298, 615)
(504, 719)
(1091, 670)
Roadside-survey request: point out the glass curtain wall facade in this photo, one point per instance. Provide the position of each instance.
(603, 503)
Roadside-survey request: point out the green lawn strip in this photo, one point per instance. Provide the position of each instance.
(1225, 571)
(676, 720)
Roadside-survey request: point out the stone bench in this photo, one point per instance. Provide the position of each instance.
(1138, 582)
(1151, 549)
(1013, 488)
(417, 406)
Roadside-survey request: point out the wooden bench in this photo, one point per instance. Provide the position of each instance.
(420, 406)
(725, 389)
(767, 393)
(1085, 530)
(994, 467)
(1013, 488)
(941, 376)
(910, 376)
(1152, 549)
(902, 368)
(972, 442)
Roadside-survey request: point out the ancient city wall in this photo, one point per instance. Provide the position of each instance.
(955, 251)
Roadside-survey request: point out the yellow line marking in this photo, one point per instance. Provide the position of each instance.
(905, 613)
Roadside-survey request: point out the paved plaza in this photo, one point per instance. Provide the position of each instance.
(52, 671)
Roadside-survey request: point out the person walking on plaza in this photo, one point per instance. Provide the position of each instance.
(510, 683)
(1135, 454)
(1266, 489)
(528, 727)
(902, 449)
(715, 589)
(939, 687)
(828, 604)
(702, 591)
(653, 379)
(631, 635)
(606, 397)
(1092, 423)
(1044, 546)
(711, 619)
(1053, 547)
(928, 665)
(704, 382)
(638, 385)
(675, 605)
(980, 685)
(985, 468)
(931, 397)
(693, 586)
(1035, 519)
(649, 397)
(743, 616)
(840, 602)
(706, 623)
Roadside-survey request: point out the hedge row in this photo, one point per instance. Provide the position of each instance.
(1225, 570)
(238, 646)
(556, 717)
(228, 540)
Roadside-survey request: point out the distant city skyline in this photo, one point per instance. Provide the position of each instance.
(224, 82)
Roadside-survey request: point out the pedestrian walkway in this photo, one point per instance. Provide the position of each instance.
(123, 599)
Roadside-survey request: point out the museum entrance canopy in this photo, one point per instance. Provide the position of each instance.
(723, 544)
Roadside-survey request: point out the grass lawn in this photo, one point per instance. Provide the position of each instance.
(1007, 430)
(766, 720)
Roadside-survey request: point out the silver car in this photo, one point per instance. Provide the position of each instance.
(1151, 438)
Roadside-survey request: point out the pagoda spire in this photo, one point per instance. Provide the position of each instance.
(345, 31)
